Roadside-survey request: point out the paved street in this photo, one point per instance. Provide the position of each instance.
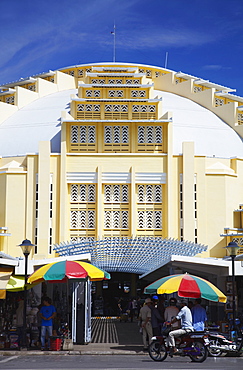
(113, 362)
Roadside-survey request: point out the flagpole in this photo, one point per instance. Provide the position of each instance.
(114, 46)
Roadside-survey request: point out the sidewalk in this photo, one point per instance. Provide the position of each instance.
(129, 342)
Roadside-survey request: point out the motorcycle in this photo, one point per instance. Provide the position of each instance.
(192, 344)
(220, 345)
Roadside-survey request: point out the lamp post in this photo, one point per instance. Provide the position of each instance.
(26, 246)
(232, 248)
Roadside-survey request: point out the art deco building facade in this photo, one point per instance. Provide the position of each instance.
(119, 150)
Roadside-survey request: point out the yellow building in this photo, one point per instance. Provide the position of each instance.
(108, 150)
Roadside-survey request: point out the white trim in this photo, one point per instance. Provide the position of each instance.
(150, 178)
(116, 177)
(81, 177)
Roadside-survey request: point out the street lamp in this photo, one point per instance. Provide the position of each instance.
(232, 248)
(26, 246)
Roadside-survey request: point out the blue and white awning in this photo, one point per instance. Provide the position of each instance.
(137, 255)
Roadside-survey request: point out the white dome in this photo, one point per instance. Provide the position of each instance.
(41, 121)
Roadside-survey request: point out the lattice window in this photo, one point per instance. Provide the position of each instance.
(88, 107)
(157, 73)
(88, 70)
(71, 73)
(88, 93)
(150, 193)
(143, 108)
(115, 82)
(82, 193)
(115, 93)
(219, 102)
(82, 219)
(150, 134)
(98, 81)
(116, 193)
(150, 219)
(80, 72)
(132, 82)
(116, 219)
(10, 100)
(51, 79)
(141, 70)
(116, 134)
(31, 87)
(138, 93)
(197, 89)
(116, 108)
(148, 73)
(74, 134)
(240, 118)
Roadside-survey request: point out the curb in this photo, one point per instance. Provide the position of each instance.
(69, 353)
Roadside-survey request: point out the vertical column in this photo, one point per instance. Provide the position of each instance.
(168, 199)
(43, 198)
(133, 213)
(99, 204)
(30, 204)
(188, 191)
(63, 220)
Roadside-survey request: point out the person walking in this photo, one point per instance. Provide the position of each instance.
(145, 323)
(47, 314)
(156, 319)
(186, 326)
(199, 316)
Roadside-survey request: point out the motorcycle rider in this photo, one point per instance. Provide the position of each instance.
(186, 326)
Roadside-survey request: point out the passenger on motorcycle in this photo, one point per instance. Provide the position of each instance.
(186, 326)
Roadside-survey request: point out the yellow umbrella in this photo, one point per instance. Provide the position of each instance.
(63, 270)
(16, 284)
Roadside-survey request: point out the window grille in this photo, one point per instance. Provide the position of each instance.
(31, 87)
(88, 107)
(115, 93)
(132, 81)
(157, 74)
(115, 81)
(150, 193)
(150, 134)
(82, 219)
(88, 70)
(116, 134)
(140, 70)
(148, 73)
(116, 219)
(219, 102)
(92, 93)
(82, 193)
(10, 100)
(150, 219)
(116, 193)
(71, 73)
(80, 72)
(240, 119)
(197, 89)
(83, 134)
(138, 93)
(98, 81)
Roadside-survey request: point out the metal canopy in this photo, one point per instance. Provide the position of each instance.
(137, 255)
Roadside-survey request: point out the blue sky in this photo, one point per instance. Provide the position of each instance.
(202, 38)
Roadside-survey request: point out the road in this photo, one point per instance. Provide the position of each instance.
(113, 362)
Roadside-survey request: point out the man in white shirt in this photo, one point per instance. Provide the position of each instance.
(186, 325)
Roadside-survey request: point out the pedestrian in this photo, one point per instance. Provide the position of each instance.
(186, 326)
(145, 323)
(47, 314)
(171, 311)
(20, 321)
(156, 319)
(199, 316)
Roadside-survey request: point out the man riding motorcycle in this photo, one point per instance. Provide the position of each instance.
(186, 326)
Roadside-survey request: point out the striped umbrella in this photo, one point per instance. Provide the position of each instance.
(187, 286)
(63, 270)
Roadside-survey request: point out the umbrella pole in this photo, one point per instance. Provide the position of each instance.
(68, 320)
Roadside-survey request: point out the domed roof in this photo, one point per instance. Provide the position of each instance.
(41, 121)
